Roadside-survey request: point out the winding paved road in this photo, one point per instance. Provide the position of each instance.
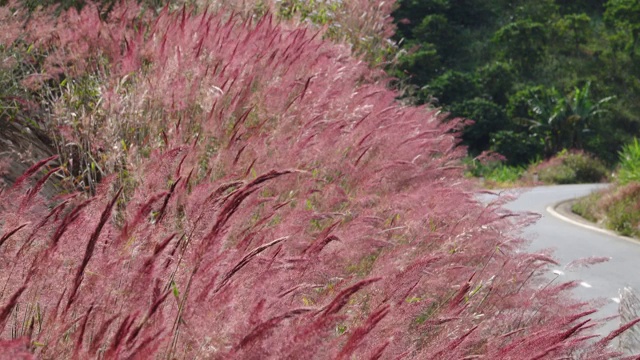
(572, 242)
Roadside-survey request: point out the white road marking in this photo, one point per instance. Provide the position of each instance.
(551, 210)
(558, 272)
(585, 284)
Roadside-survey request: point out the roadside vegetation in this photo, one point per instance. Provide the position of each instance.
(236, 180)
(618, 207)
(566, 167)
(537, 78)
(550, 86)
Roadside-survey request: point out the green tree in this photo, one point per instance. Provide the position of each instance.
(419, 65)
(581, 109)
(539, 108)
(519, 147)
(411, 12)
(624, 15)
(562, 120)
(522, 42)
(453, 87)
(574, 29)
(498, 50)
(592, 7)
(539, 11)
(488, 117)
(470, 14)
(496, 81)
(435, 29)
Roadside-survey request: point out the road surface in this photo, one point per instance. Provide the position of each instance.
(571, 242)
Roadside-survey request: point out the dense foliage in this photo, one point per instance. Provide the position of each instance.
(571, 168)
(615, 208)
(629, 169)
(249, 190)
(566, 167)
(618, 207)
(536, 76)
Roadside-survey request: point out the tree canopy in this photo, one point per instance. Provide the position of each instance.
(501, 62)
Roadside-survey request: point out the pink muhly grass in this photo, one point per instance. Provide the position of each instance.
(16, 349)
(360, 333)
(8, 308)
(619, 331)
(263, 328)
(341, 300)
(245, 260)
(91, 244)
(8, 234)
(271, 200)
(83, 328)
(32, 170)
(593, 260)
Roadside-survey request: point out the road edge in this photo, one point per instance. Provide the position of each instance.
(562, 211)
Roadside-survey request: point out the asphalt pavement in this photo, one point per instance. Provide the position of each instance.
(573, 238)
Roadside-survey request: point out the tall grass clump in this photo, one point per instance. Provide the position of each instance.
(497, 174)
(491, 168)
(618, 207)
(261, 195)
(629, 165)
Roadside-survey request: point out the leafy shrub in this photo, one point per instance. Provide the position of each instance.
(518, 147)
(616, 207)
(487, 117)
(494, 171)
(452, 87)
(622, 209)
(561, 174)
(622, 216)
(588, 206)
(629, 163)
(586, 167)
(270, 200)
(522, 42)
(505, 174)
(571, 168)
(496, 81)
(410, 63)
